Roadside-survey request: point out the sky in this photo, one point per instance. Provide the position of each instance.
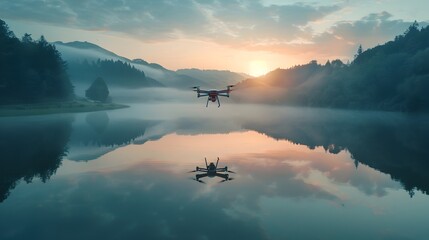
(253, 36)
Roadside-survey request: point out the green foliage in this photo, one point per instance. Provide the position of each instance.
(31, 71)
(98, 91)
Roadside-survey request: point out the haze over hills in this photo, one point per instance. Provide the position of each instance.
(393, 77)
(77, 52)
(218, 77)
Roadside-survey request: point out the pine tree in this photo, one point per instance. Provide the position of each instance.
(98, 91)
(359, 51)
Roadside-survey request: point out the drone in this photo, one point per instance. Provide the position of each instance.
(213, 94)
(211, 170)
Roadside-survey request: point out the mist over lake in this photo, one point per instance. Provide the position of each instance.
(125, 173)
(226, 119)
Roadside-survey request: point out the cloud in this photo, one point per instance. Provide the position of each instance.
(121, 205)
(250, 25)
(219, 21)
(343, 38)
(371, 30)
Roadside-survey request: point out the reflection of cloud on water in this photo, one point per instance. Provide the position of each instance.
(259, 161)
(392, 143)
(97, 134)
(138, 203)
(337, 168)
(144, 191)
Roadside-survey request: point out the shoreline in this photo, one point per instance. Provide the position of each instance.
(75, 106)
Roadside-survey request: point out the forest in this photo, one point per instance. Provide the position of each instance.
(391, 77)
(115, 73)
(32, 71)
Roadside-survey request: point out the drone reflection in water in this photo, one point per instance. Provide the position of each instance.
(211, 170)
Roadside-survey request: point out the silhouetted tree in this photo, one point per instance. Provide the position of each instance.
(414, 28)
(359, 51)
(27, 39)
(31, 71)
(98, 90)
(328, 64)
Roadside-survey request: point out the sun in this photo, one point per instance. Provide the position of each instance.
(258, 68)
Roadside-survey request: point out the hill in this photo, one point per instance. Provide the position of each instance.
(116, 74)
(214, 78)
(87, 61)
(392, 77)
(76, 53)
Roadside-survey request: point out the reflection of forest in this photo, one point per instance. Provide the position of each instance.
(98, 134)
(391, 143)
(31, 149)
(34, 147)
(105, 132)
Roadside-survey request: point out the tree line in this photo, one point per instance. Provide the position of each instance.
(115, 73)
(393, 77)
(31, 70)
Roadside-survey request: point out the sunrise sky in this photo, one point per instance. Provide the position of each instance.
(243, 36)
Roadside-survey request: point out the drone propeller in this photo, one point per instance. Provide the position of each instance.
(198, 180)
(229, 88)
(192, 171)
(217, 161)
(228, 179)
(226, 170)
(195, 89)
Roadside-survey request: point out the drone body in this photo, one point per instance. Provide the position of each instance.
(213, 94)
(211, 170)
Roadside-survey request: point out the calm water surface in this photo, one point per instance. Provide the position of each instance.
(299, 174)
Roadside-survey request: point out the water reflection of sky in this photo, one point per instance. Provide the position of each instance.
(143, 190)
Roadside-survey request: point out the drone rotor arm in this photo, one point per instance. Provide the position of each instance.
(198, 180)
(222, 175)
(201, 175)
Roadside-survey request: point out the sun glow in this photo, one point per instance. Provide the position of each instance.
(258, 68)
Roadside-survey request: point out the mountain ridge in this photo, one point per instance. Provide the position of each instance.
(78, 51)
(389, 77)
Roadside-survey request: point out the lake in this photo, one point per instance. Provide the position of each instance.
(299, 173)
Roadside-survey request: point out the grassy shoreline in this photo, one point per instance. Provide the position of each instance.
(75, 106)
